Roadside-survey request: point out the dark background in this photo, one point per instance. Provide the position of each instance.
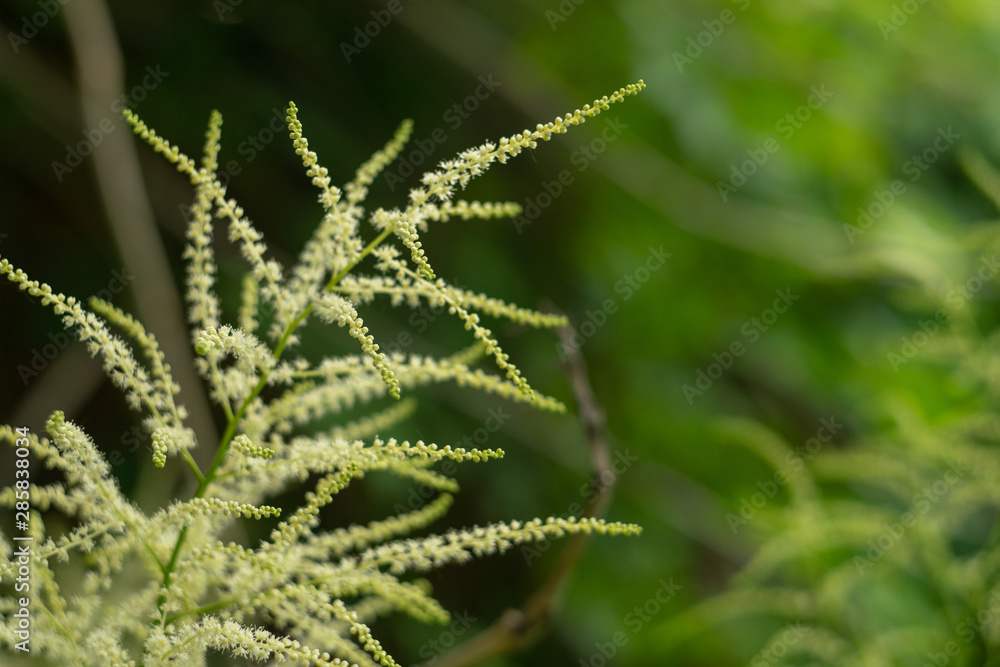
(894, 79)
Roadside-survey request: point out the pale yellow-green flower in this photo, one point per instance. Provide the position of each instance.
(171, 586)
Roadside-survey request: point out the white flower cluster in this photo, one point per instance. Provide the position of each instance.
(166, 583)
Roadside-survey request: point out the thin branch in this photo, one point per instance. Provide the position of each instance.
(518, 629)
(100, 74)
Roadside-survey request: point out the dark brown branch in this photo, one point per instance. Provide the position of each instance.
(517, 629)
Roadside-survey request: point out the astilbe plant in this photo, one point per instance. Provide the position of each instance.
(197, 593)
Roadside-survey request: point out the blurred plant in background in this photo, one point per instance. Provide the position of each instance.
(846, 130)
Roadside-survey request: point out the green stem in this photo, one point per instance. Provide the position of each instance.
(204, 480)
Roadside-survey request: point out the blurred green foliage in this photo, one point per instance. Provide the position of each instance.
(808, 111)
